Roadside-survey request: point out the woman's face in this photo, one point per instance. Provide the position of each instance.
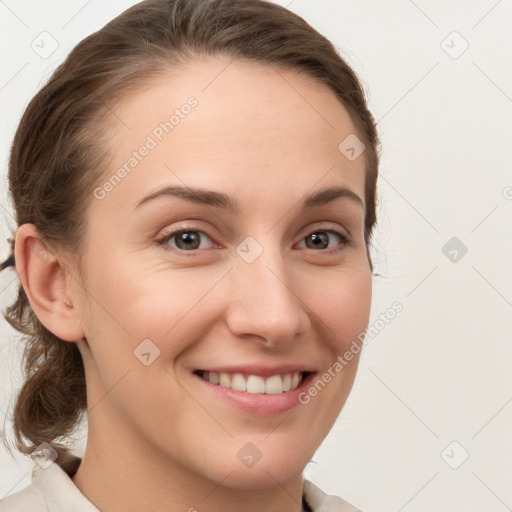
(262, 286)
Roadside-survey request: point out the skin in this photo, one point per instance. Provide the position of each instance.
(156, 442)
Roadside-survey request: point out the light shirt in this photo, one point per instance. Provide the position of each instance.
(52, 490)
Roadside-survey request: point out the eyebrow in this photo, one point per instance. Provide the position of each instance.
(231, 204)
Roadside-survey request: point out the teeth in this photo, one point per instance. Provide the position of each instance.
(238, 383)
(255, 384)
(274, 385)
(225, 380)
(287, 383)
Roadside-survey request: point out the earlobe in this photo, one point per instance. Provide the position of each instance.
(44, 280)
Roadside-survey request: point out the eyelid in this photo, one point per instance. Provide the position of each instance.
(345, 238)
(326, 226)
(169, 234)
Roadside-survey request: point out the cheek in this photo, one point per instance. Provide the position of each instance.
(342, 301)
(160, 305)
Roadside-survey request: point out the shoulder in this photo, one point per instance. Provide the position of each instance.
(31, 498)
(319, 501)
(51, 490)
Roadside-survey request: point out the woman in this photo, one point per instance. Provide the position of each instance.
(195, 193)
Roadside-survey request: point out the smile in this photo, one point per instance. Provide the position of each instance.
(255, 384)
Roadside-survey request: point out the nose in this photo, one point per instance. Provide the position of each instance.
(265, 303)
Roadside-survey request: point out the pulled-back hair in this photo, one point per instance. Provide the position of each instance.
(60, 152)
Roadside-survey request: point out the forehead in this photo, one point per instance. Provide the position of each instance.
(230, 124)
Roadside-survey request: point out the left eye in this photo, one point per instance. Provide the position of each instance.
(319, 239)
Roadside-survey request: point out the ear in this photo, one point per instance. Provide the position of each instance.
(44, 281)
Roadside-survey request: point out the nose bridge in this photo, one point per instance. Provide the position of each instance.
(264, 302)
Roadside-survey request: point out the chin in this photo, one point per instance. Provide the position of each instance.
(262, 478)
(261, 469)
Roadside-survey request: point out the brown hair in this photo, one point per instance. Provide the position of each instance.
(59, 153)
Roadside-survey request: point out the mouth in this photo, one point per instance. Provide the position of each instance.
(258, 391)
(255, 384)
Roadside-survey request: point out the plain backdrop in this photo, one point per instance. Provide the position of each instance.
(427, 425)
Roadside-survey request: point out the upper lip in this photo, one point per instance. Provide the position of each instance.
(261, 370)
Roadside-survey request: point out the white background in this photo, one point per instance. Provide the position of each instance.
(441, 370)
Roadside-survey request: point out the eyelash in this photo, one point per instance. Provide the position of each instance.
(344, 240)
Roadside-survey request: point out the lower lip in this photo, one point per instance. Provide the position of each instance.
(259, 403)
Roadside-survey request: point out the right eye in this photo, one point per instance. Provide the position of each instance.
(185, 240)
